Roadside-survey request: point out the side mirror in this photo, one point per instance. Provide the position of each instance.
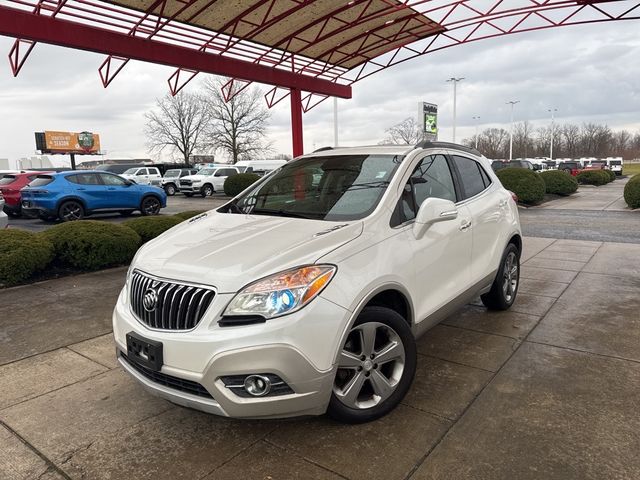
(433, 210)
(128, 183)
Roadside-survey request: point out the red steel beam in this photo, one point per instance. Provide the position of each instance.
(21, 24)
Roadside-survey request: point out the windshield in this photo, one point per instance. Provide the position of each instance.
(172, 173)
(207, 172)
(345, 187)
(130, 171)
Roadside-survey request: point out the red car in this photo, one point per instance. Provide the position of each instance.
(10, 186)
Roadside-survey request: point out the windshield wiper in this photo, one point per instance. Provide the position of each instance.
(284, 213)
(364, 185)
(234, 206)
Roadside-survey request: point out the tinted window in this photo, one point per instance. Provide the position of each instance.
(470, 176)
(7, 179)
(111, 179)
(485, 177)
(84, 179)
(41, 181)
(154, 171)
(142, 171)
(431, 178)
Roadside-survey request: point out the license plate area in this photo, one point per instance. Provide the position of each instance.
(144, 352)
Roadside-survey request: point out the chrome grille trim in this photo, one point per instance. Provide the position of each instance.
(179, 306)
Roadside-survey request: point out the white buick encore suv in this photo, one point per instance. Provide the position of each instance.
(306, 292)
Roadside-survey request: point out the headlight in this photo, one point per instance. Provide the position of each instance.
(281, 293)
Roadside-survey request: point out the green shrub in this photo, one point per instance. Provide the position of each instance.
(559, 182)
(235, 184)
(150, 227)
(90, 244)
(593, 177)
(632, 192)
(526, 184)
(612, 176)
(21, 255)
(188, 214)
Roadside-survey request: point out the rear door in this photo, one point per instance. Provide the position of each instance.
(142, 177)
(88, 187)
(487, 204)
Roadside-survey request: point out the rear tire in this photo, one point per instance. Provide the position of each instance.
(70, 211)
(376, 366)
(505, 286)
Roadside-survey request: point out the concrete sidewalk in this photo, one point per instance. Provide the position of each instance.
(607, 197)
(547, 390)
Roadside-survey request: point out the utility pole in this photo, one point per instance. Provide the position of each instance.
(455, 81)
(512, 103)
(552, 111)
(476, 118)
(335, 122)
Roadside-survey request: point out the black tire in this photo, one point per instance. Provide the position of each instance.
(70, 211)
(13, 213)
(385, 322)
(207, 190)
(170, 189)
(188, 195)
(150, 205)
(126, 213)
(505, 286)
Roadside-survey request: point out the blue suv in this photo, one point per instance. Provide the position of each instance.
(76, 194)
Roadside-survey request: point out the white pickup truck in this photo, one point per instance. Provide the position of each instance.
(207, 181)
(143, 175)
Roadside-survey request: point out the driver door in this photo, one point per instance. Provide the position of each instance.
(117, 193)
(441, 260)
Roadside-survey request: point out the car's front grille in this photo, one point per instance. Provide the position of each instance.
(187, 386)
(185, 183)
(168, 305)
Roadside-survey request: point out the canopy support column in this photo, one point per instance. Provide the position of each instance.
(296, 122)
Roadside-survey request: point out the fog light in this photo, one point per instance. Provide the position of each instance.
(257, 385)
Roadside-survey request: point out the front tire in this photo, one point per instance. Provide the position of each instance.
(70, 211)
(505, 286)
(170, 189)
(376, 366)
(150, 206)
(207, 191)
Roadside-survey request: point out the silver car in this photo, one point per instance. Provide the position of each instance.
(4, 220)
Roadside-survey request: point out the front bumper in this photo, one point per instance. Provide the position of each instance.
(190, 188)
(300, 348)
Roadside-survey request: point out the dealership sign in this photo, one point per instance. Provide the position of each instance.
(428, 113)
(84, 143)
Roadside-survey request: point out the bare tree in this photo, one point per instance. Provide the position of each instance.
(571, 139)
(178, 123)
(407, 132)
(493, 143)
(238, 127)
(523, 139)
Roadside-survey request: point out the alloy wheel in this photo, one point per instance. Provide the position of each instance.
(71, 211)
(510, 276)
(370, 366)
(151, 206)
(170, 190)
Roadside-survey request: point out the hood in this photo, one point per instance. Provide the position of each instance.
(229, 251)
(193, 177)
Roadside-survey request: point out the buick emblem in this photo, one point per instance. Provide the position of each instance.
(150, 299)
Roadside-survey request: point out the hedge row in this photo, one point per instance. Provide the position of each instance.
(530, 187)
(632, 192)
(80, 246)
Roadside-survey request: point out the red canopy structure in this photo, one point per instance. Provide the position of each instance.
(306, 49)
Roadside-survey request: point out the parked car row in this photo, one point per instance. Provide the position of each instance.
(573, 168)
(4, 220)
(75, 194)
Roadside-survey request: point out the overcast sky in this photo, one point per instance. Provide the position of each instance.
(589, 73)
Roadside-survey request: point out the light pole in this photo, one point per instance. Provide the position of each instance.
(476, 118)
(455, 81)
(512, 103)
(552, 111)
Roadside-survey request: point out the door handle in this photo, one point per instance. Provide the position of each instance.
(464, 226)
(81, 189)
(111, 188)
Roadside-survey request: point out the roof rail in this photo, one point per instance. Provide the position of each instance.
(322, 149)
(452, 146)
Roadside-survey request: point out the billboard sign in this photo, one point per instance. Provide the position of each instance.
(429, 119)
(83, 143)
